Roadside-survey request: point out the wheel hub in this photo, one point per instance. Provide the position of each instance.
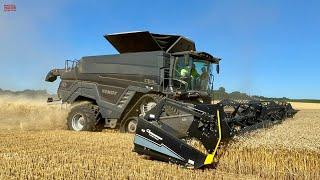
(132, 126)
(78, 122)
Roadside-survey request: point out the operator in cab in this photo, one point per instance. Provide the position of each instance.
(204, 77)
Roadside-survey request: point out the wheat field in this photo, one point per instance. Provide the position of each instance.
(34, 144)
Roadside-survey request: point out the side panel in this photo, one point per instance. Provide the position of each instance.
(111, 100)
(110, 94)
(132, 69)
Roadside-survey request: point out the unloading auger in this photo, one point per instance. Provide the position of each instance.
(165, 137)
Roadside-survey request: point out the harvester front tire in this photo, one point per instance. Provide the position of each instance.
(131, 125)
(84, 117)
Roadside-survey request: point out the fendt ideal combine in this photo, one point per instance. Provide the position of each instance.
(160, 88)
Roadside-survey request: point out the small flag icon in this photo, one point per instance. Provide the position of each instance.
(9, 7)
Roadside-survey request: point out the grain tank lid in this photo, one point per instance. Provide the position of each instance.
(144, 41)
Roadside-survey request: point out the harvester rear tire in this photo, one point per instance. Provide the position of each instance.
(84, 117)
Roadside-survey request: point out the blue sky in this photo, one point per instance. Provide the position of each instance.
(268, 48)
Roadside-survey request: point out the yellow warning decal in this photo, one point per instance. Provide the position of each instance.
(209, 158)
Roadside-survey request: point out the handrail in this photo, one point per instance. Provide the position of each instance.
(168, 78)
(74, 63)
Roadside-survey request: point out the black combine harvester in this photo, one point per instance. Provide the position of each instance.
(160, 88)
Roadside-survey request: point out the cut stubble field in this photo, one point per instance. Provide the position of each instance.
(34, 143)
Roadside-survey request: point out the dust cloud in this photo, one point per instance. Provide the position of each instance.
(23, 113)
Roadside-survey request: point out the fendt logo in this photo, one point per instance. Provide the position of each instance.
(109, 92)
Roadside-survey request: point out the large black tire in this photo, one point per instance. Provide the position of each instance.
(84, 116)
(130, 125)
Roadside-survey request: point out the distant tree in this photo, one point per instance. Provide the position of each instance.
(28, 93)
(220, 93)
(222, 89)
(236, 95)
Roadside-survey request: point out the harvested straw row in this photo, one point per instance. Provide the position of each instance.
(285, 151)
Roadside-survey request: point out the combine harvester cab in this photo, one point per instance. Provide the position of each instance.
(166, 138)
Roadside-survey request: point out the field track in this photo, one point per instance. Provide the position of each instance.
(35, 144)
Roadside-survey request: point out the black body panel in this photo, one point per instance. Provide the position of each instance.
(111, 81)
(145, 41)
